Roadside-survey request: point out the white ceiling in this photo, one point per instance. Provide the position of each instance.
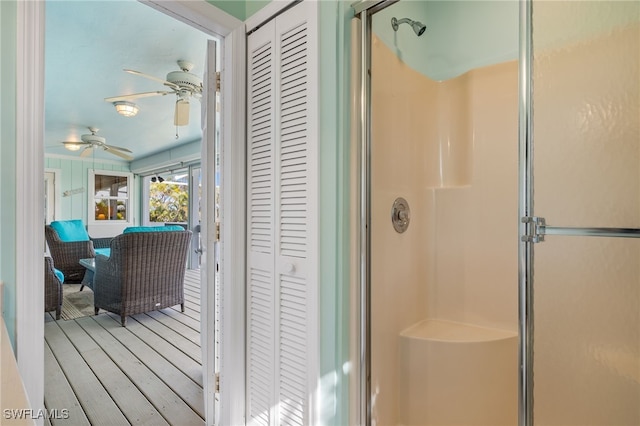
(87, 46)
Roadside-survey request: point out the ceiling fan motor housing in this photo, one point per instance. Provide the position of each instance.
(182, 79)
(93, 139)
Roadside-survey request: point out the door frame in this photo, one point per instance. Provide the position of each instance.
(56, 191)
(30, 192)
(525, 210)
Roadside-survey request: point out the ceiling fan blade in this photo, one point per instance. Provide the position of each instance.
(119, 148)
(87, 151)
(77, 143)
(181, 115)
(118, 153)
(150, 77)
(136, 96)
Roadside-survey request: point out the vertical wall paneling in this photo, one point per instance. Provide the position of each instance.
(282, 228)
(73, 175)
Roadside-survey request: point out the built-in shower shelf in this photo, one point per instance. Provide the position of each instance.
(476, 364)
(450, 331)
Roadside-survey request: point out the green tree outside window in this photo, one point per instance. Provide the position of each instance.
(168, 202)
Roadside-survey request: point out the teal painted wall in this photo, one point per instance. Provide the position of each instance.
(241, 9)
(334, 26)
(460, 35)
(74, 174)
(255, 5)
(8, 20)
(236, 8)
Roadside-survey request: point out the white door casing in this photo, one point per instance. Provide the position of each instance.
(29, 207)
(208, 235)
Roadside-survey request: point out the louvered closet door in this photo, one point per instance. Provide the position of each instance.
(295, 214)
(261, 222)
(283, 335)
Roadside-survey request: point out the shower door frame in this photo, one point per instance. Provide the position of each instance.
(363, 10)
(531, 229)
(525, 210)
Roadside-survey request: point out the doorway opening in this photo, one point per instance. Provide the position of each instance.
(190, 327)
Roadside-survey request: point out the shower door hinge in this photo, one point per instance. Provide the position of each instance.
(534, 232)
(217, 383)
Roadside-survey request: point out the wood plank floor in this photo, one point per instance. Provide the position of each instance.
(149, 373)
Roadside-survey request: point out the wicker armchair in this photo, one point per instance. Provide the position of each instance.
(66, 255)
(144, 272)
(52, 289)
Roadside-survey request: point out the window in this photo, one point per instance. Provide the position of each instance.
(110, 197)
(169, 197)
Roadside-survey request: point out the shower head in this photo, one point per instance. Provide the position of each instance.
(418, 27)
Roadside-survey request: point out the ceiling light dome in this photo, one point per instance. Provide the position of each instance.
(72, 146)
(128, 109)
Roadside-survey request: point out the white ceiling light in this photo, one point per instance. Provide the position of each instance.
(182, 83)
(128, 109)
(73, 146)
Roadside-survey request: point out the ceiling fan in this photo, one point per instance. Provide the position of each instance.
(93, 141)
(184, 84)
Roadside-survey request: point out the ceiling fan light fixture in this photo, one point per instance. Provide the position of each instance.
(72, 146)
(128, 109)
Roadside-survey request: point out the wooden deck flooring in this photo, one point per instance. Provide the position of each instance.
(149, 373)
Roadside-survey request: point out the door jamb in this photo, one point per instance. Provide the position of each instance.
(56, 191)
(29, 332)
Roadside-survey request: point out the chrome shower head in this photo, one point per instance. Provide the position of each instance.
(418, 27)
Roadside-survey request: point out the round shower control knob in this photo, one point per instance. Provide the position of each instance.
(400, 215)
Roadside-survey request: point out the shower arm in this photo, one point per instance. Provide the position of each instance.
(395, 23)
(417, 26)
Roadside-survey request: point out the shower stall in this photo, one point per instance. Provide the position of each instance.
(453, 326)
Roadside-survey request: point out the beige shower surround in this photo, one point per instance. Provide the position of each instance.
(458, 261)
(450, 149)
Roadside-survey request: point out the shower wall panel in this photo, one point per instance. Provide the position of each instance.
(403, 119)
(475, 228)
(450, 149)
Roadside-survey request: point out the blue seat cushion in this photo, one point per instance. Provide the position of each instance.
(103, 251)
(59, 274)
(132, 229)
(70, 230)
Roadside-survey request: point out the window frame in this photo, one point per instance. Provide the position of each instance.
(146, 194)
(91, 197)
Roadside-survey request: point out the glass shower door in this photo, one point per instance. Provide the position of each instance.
(585, 297)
